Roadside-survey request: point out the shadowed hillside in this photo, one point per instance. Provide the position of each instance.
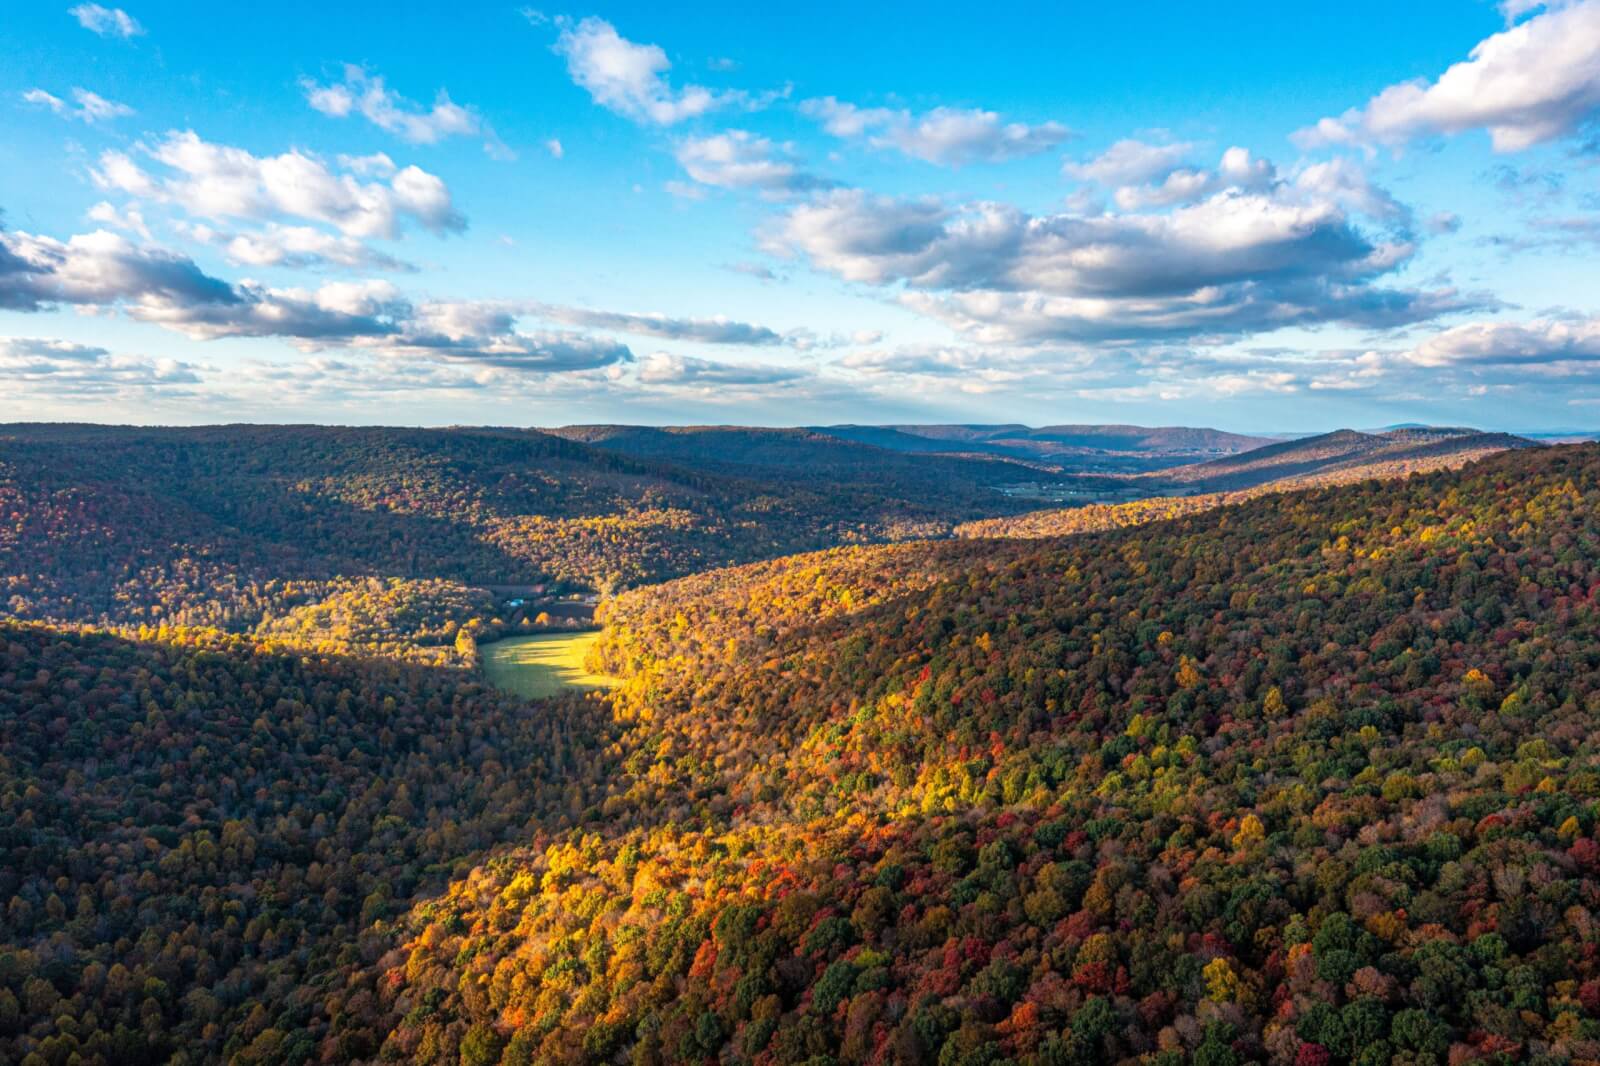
(1089, 448)
(193, 525)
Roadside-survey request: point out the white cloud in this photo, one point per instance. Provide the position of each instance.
(1145, 176)
(129, 218)
(92, 107)
(702, 330)
(950, 136)
(219, 181)
(1130, 162)
(935, 361)
(376, 165)
(61, 369)
(484, 333)
(1183, 185)
(1344, 182)
(98, 268)
(629, 78)
(101, 271)
(1549, 341)
(740, 160)
(1535, 81)
(553, 146)
(106, 21)
(365, 94)
(296, 247)
(1512, 10)
(1239, 261)
(662, 368)
(336, 314)
(971, 370)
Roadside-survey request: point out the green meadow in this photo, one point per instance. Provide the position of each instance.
(542, 665)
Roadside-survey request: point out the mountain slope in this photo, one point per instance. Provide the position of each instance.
(200, 832)
(805, 455)
(1338, 461)
(1091, 448)
(1313, 779)
(1343, 450)
(192, 525)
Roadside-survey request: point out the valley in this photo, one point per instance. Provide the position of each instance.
(1206, 777)
(544, 665)
(789, 535)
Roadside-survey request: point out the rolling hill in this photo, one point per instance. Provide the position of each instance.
(1080, 448)
(203, 526)
(806, 456)
(1332, 459)
(1392, 452)
(1312, 779)
(1309, 778)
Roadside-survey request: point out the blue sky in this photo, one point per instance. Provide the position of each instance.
(1288, 217)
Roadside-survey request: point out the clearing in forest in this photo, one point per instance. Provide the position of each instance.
(542, 665)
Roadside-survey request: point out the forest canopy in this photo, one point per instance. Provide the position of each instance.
(1300, 778)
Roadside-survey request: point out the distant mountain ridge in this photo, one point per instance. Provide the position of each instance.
(1099, 448)
(791, 451)
(1425, 447)
(1342, 457)
(130, 524)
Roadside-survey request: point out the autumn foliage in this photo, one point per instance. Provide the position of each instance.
(1310, 778)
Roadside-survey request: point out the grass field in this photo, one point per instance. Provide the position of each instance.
(541, 665)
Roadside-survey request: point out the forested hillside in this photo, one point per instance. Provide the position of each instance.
(1332, 459)
(1311, 779)
(1341, 454)
(816, 458)
(1307, 779)
(1076, 448)
(203, 526)
(198, 832)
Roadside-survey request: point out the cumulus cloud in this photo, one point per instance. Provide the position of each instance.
(663, 368)
(1238, 169)
(1549, 342)
(630, 78)
(741, 160)
(297, 247)
(1240, 260)
(945, 135)
(376, 165)
(936, 361)
(106, 21)
(63, 369)
(1130, 162)
(1344, 182)
(702, 330)
(98, 268)
(1143, 373)
(336, 313)
(485, 334)
(104, 271)
(372, 316)
(220, 181)
(1535, 81)
(366, 94)
(129, 218)
(973, 370)
(1144, 175)
(90, 107)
